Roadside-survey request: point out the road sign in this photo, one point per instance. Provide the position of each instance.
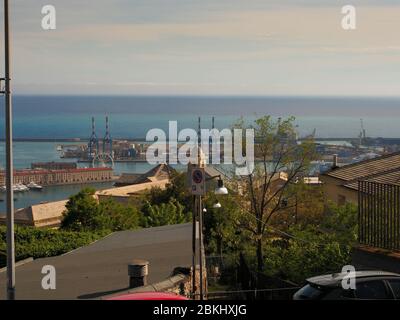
(198, 183)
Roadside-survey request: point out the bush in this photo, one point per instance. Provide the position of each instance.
(40, 243)
(164, 214)
(84, 213)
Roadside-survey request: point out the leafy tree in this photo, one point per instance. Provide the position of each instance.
(315, 248)
(117, 217)
(164, 214)
(82, 212)
(220, 226)
(261, 197)
(175, 189)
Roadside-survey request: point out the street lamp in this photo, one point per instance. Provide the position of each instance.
(217, 205)
(220, 189)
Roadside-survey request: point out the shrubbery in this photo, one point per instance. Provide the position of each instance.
(164, 214)
(84, 213)
(39, 243)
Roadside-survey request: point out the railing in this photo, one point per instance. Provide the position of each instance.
(379, 215)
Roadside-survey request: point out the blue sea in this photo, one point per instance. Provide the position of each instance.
(132, 116)
(56, 117)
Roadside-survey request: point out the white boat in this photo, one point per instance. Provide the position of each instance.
(34, 186)
(21, 187)
(16, 188)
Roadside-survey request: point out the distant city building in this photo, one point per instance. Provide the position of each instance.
(54, 165)
(59, 177)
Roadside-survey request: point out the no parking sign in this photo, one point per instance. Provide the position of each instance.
(198, 182)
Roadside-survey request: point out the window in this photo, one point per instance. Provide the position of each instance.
(308, 292)
(395, 285)
(337, 294)
(374, 289)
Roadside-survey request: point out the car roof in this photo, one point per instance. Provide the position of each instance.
(335, 279)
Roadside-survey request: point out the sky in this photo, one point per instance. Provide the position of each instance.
(206, 47)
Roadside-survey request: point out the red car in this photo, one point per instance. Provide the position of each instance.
(149, 296)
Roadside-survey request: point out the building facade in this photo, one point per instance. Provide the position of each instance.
(59, 177)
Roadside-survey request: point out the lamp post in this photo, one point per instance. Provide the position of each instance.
(198, 189)
(219, 190)
(9, 160)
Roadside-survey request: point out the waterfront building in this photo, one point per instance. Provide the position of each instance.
(60, 177)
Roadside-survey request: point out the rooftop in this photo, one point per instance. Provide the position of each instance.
(132, 189)
(389, 177)
(159, 172)
(366, 168)
(101, 268)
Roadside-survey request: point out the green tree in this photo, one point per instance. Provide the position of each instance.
(262, 196)
(82, 212)
(117, 217)
(221, 231)
(175, 189)
(164, 214)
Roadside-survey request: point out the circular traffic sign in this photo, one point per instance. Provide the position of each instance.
(197, 176)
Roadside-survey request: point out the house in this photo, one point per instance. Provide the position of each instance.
(341, 183)
(47, 214)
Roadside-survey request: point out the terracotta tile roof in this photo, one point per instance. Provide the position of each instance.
(388, 177)
(366, 168)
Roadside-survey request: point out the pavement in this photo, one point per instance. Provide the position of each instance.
(101, 268)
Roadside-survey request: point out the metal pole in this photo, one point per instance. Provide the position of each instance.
(9, 163)
(194, 249)
(199, 205)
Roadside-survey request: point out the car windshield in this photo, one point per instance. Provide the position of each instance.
(308, 292)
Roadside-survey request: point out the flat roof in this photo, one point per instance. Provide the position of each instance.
(101, 268)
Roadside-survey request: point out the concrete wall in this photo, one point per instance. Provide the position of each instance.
(334, 191)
